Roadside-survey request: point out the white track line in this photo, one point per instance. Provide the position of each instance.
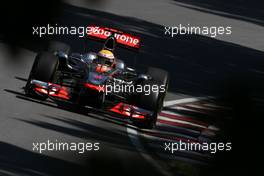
(133, 135)
(182, 122)
(184, 100)
(188, 119)
(200, 107)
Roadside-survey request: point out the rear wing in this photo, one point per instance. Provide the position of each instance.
(121, 38)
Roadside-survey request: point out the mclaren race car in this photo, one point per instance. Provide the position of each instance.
(99, 80)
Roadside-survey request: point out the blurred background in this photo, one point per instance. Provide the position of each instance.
(228, 68)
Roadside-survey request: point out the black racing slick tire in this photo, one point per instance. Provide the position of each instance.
(100, 100)
(56, 46)
(159, 75)
(149, 101)
(162, 78)
(46, 66)
(154, 100)
(43, 69)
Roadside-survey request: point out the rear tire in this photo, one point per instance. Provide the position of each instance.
(55, 46)
(99, 102)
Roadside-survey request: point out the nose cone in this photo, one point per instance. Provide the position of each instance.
(97, 78)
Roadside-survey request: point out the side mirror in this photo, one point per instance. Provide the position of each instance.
(130, 69)
(89, 57)
(143, 77)
(120, 64)
(61, 54)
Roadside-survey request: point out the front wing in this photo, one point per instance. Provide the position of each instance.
(55, 91)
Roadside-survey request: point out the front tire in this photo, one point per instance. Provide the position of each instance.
(43, 69)
(151, 102)
(162, 78)
(154, 101)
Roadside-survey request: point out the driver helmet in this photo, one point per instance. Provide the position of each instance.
(106, 54)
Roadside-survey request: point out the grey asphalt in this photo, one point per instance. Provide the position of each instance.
(173, 13)
(198, 65)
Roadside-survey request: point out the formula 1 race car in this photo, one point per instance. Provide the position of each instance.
(99, 80)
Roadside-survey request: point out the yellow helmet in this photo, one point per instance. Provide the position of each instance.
(107, 54)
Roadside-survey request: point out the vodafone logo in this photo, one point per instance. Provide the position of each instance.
(104, 33)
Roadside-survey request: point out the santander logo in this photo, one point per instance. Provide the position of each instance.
(121, 38)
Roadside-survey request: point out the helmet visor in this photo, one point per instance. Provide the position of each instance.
(104, 61)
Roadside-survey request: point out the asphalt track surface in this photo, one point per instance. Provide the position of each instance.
(190, 113)
(246, 23)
